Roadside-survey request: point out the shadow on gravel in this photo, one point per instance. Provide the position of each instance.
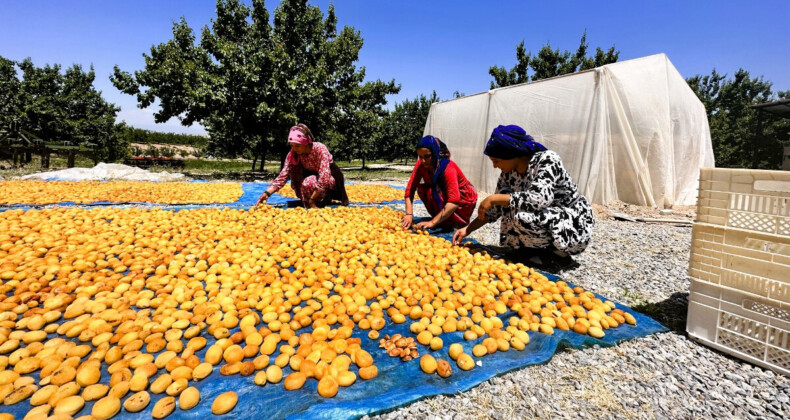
(671, 312)
(539, 259)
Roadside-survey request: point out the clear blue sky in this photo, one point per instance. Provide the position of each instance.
(442, 45)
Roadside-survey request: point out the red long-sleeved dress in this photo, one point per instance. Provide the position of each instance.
(453, 187)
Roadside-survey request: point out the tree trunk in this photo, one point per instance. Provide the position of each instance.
(254, 161)
(363, 162)
(263, 157)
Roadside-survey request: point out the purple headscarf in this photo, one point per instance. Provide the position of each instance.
(511, 141)
(435, 146)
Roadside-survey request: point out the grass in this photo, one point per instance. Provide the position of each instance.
(55, 163)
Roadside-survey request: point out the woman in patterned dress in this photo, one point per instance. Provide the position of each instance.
(444, 190)
(538, 202)
(315, 178)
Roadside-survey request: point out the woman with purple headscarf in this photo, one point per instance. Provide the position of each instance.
(538, 202)
(444, 190)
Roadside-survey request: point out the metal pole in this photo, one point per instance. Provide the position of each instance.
(758, 138)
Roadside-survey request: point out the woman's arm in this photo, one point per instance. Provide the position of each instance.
(494, 200)
(465, 231)
(411, 188)
(482, 217)
(408, 218)
(278, 183)
(489, 210)
(443, 215)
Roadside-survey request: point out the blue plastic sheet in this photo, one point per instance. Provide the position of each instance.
(397, 384)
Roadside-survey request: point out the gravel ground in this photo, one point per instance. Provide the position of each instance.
(661, 376)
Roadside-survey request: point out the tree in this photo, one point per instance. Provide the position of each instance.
(248, 80)
(88, 117)
(518, 74)
(59, 106)
(741, 137)
(404, 126)
(139, 135)
(40, 99)
(550, 63)
(10, 85)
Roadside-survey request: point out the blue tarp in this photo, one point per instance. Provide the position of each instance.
(397, 384)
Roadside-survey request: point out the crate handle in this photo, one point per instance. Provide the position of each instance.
(772, 186)
(765, 308)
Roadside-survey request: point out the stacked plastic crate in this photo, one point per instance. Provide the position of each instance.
(739, 300)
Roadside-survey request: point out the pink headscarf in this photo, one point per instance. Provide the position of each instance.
(297, 136)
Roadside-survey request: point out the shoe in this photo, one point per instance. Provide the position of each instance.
(535, 260)
(561, 254)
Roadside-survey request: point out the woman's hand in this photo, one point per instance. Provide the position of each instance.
(406, 221)
(483, 208)
(425, 225)
(459, 235)
(262, 199)
(312, 203)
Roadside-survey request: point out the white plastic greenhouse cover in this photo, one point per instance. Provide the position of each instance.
(631, 131)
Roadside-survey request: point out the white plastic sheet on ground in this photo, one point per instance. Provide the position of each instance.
(632, 131)
(107, 171)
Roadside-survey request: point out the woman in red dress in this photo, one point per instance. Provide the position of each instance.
(448, 196)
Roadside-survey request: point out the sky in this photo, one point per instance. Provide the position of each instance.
(441, 45)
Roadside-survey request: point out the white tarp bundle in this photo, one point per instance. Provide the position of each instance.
(632, 131)
(106, 171)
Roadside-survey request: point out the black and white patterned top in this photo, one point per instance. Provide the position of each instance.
(545, 207)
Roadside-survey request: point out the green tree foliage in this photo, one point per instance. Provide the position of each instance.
(10, 85)
(403, 127)
(549, 62)
(741, 137)
(249, 79)
(59, 106)
(139, 135)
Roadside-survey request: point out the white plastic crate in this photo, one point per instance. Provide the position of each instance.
(744, 198)
(739, 300)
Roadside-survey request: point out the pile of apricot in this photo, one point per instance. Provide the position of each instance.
(358, 193)
(53, 192)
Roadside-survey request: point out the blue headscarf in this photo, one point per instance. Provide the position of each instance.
(511, 141)
(435, 146)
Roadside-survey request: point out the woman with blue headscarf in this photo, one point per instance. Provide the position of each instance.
(538, 202)
(448, 196)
